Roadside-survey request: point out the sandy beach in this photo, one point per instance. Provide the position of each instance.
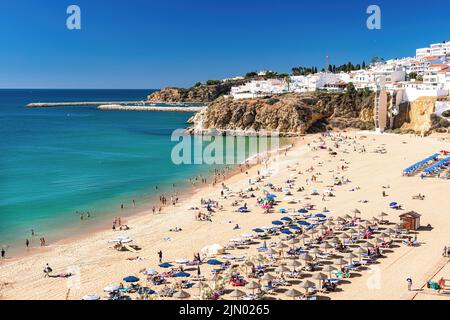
(95, 263)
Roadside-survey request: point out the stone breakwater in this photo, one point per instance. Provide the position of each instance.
(76, 104)
(152, 108)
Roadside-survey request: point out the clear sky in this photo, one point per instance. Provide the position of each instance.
(156, 43)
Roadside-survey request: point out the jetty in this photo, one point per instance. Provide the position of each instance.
(76, 104)
(151, 108)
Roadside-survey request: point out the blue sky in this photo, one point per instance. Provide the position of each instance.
(157, 43)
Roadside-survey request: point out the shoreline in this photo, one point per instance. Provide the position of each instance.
(186, 191)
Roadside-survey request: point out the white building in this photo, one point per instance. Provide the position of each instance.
(423, 52)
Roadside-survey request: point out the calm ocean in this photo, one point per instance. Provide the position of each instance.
(57, 161)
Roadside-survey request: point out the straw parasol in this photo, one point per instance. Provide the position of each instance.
(306, 284)
(281, 269)
(271, 252)
(303, 237)
(319, 276)
(267, 277)
(350, 256)
(237, 294)
(329, 268)
(181, 295)
(340, 262)
(293, 263)
(293, 293)
(325, 246)
(253, 285)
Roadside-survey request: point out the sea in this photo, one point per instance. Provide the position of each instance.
(59, 162)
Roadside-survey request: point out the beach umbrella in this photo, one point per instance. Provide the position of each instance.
(350, 256)
(282, 211)
(131, 279)
(293, 241)
(330, 224)
(319, 276)
(181, 275)
(214, 262)
(325, 246)
(314, 251)
(181, 295)
(306, 284)
(281, 269)
(340, 262)
(166, 265)
(393, 204)
(111, 288)
(286, 219)
(295, 228)
(340, 219)
(282, 246)
(303, 237)
(286, 231)
(304, 223)
(303, 211)
(91, 297)
(237, 294)
(293, 263)
(277, 223)
(293, 293)
(320, 215)
(306, 258)
(356, 211)
(267, 277)
(258, 230)
(347, 216)
(329, 268)
(253, 286)
(271, 252)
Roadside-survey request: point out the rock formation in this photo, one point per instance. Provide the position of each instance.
(289, 114)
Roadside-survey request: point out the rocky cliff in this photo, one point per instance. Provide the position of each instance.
(289, 113)
(202, 93)
(419, 117)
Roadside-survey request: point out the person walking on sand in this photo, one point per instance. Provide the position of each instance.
(27, 243)
(3, 253)
(160, 255)
(409, 281)
(47, 270)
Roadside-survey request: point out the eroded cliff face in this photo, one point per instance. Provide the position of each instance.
(418, 116)
(289, 113)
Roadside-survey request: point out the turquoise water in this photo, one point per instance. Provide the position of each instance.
(57, 161)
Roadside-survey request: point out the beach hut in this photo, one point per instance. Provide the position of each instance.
(410, 220)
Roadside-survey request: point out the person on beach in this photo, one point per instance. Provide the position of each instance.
(409, 281)
(3, 253)
(27, 243)
(160, 256)
(47, 270)
(32, 232)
